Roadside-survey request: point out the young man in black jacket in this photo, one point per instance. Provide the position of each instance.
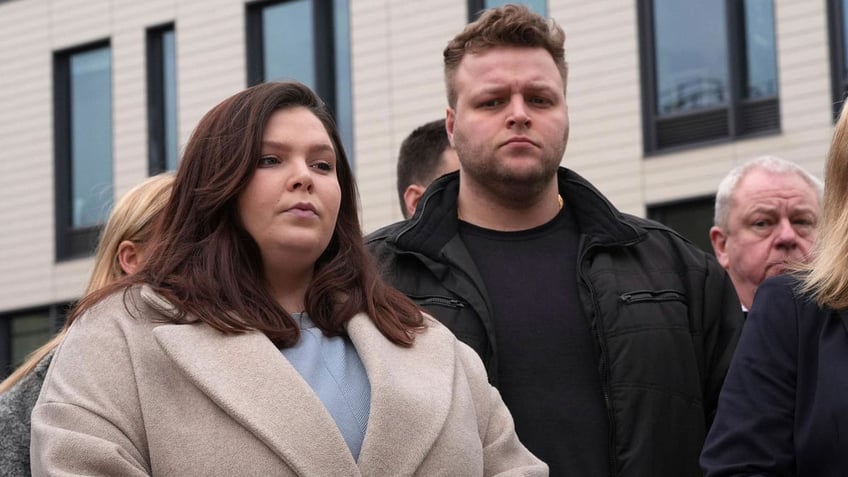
(607, 335)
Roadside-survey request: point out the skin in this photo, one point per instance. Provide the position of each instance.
(291, 203)
(509, 127)
(448, 162)
(771, 222)
(129, 256)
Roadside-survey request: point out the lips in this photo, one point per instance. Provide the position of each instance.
(519, 141)
(303, 209)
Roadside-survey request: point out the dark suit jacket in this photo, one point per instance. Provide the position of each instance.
(783, 409)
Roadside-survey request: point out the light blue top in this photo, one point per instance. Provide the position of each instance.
(333, 369)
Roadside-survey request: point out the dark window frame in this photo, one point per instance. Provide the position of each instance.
(836, 38)
(156, 110)
(71, 242)
(57, 314)
(659, 212)
(323, 37)
(737, 119)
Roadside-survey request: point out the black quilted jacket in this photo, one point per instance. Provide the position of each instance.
(664, 315)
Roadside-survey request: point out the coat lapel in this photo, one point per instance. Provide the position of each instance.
(411, 395)
(247, 376)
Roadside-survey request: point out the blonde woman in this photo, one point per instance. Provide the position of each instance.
(783, 409)
(118, 254)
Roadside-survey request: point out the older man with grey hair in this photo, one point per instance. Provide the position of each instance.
(766, 213)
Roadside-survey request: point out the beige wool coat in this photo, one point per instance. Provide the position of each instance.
(134, 396)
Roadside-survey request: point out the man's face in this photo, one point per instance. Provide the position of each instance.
(771, 222)
(510, 122)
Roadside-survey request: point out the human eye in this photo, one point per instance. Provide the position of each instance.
(268, 161)
(323, 166)
(540, 101)
(491, 103)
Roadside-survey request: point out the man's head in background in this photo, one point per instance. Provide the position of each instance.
(765, 218)
(424, 155)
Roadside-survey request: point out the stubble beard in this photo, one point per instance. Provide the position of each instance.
(500, 180)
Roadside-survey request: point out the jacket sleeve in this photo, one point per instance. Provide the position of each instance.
(752, 432)
(87, 420)
(722, 326)
(503, 454)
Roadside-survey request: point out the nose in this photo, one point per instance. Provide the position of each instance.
(300, 177)
(518, 114)
(787, 237)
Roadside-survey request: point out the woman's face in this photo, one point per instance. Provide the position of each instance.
(292, 201)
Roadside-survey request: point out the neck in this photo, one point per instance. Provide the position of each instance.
(494, 212)
(289, 289)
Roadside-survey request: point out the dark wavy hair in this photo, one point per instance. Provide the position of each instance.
(206, 264)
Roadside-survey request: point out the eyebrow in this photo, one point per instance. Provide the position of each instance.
(317, 147)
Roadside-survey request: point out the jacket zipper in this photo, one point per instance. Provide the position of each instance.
(440, 300)
(604, 363)
(651, 295)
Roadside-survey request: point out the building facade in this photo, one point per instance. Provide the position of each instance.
(665, 96)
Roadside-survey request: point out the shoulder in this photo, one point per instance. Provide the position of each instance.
(779, 298)
(382, 234)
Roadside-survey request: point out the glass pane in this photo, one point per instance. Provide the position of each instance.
(91, 137)
(537, 6)
(844, 5)
(344, 89)
(28, 333)
(761, 57)
(691, 55)
(169, 91)
(287, 42)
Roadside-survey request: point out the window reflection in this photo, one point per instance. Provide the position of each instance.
(537, 6)
(691, 55)
(169, 93)
(761, 57)
(288, 43)
(91, 137)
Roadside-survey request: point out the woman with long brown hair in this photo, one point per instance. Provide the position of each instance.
(258, 338)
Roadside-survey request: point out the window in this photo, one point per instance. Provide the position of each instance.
(307, 41)
(838, 23)
(162, 99)
(475, 7)
(709, 71)
(691, 218)
(83, 147)
(22, 332)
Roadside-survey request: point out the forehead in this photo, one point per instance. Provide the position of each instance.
(295, 124)
(505, 65)
(761, 188)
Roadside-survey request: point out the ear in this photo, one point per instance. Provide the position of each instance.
(719, 240)
(450, 117)
(128, 256)
(411, 196)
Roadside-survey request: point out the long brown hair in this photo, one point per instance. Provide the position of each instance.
(206, 264)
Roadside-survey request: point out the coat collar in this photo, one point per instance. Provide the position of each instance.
(434, 223)
(249, 378)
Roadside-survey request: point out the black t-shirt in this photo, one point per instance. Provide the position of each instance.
(547, 358)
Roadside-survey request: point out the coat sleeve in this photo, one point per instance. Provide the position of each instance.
(87, 420)
(503, 454)
(722, 326)
(752, 432)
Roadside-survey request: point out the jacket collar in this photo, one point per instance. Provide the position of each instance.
(435, 223)
(249, 378)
